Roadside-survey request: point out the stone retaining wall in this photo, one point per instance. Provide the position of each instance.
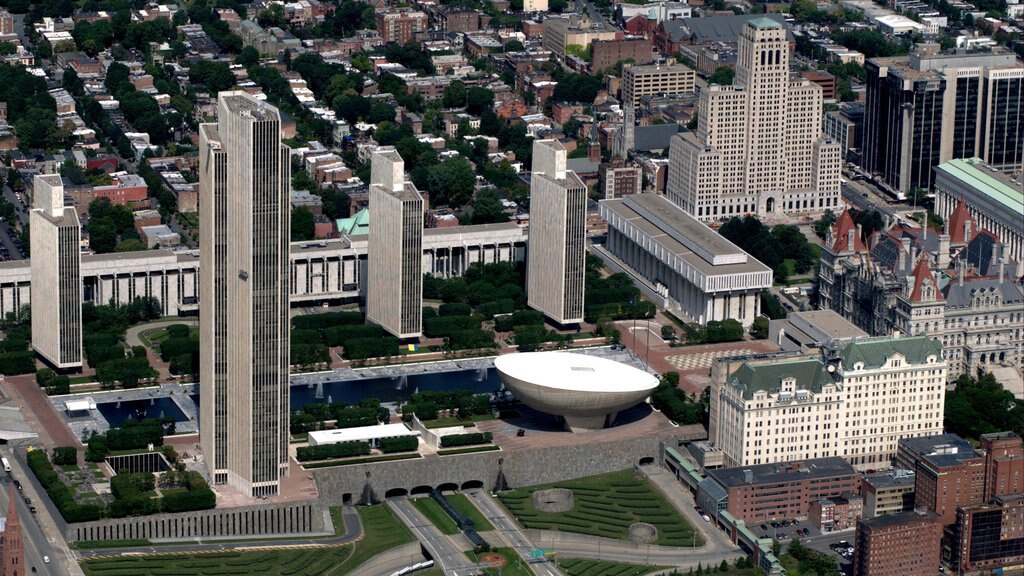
(354, 483)
(300, 518)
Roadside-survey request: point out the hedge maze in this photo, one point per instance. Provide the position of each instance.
(605, 505)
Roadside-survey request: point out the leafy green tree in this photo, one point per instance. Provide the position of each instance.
(117, 77)
(981, 405)
(451, 182)
(303, 224)
(759, 330)
(488, 208)
(454, 95)
(822, 226)
(723, 76)
(248, 56)
(478, 100)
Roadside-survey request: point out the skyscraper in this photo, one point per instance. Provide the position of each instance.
(56, 275)
(394, 290)
(928, 107)
(244, 327)
(758, 147)
(556, 257)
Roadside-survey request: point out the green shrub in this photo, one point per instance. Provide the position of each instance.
(456, 440)
(325, 451)
(400, 444)
(65, 455)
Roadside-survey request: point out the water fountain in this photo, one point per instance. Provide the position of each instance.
(319, 395)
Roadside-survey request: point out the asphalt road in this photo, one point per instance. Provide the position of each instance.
(509, 531)
(19, 207)
(446, 555)
(40, 534)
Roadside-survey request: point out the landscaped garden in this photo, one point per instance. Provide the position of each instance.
(605, 505)
(382, 532)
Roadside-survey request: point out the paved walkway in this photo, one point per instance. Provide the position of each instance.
(133, 338)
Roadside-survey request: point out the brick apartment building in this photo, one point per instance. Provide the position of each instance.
(903, 544)
(953, 474)
(400, 25)
(606, 53)
(776, 491)
(990, 536)
(836, 512)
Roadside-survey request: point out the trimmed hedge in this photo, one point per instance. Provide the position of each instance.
(456, 440)
(401, 444)
(61, 495)
(325, 451)
(65, 455)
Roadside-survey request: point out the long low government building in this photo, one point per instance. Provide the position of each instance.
(322, 271)
(701, 275)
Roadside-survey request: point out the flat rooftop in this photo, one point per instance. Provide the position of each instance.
(827, 321)
(996, 185)
(781, 472)
(546, 431)
(360, 434)
(895, 478)
(683, 235)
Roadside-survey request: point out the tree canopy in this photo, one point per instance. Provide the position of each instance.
(980, 405)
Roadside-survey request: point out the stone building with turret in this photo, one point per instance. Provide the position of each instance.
(957, 285)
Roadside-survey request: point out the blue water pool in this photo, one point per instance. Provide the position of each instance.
(117, 412)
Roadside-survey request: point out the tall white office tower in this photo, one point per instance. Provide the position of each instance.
(56, 275)
(394, 289)
(758, 147)
(556, 254)
(244, 270)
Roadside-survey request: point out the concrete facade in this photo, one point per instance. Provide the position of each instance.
(701, 275)
(639, 81)
(394, 296)
(253, 252)
(556, 264)
(517, 468)
(56, 265)
(321, 271)
(303, 518)
(758, 147)
(993, 199)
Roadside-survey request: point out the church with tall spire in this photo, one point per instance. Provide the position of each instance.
(12, 545)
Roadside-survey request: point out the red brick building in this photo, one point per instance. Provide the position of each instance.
(944, 481)
(777, 491)
(513, 108)
(1004, 464)
(903, 544)
(990, 536)
(836, 513)
(823, 79)
(400, 25)
(606, 53)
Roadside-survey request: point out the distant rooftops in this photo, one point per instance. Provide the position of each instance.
(783, 472)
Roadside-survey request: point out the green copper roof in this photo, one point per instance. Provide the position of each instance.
(357, 224)
(810, 375)
(874, 352)
(763, 22)
(999, 187)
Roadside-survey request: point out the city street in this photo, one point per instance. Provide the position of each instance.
(41, 534)
(446, 555)
(508, 530)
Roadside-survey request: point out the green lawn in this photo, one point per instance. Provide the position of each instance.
(514, 565)
(383, 531)
(578, 567)
(606, 505)
(81, 379)
(437, 516)
(461, 503)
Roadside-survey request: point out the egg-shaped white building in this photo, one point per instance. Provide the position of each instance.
(587, 391)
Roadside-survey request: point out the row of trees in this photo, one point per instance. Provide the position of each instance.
(15, 355)
(104, 329)
(463, 403)
(111, 228)
(313, 416)
(181, 349)
(132, 435)
(312, 336)
(52, 382)
(678, 406)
